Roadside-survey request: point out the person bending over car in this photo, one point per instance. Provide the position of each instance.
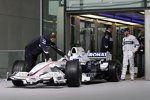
(40, 45)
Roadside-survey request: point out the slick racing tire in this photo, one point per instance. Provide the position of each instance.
(19, 66)
(73, 73)
(18, 83)
(114, 71)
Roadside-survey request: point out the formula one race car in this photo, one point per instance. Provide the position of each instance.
(75, 68)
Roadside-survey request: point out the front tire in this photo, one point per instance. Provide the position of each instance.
(18, 83)
(114, 71)
(73, 73)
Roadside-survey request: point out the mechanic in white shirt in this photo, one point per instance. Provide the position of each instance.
(130, 46)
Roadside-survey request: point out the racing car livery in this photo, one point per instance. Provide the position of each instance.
(77, 67)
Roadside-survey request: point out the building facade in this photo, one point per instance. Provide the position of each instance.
(19, 23)
(22, 20)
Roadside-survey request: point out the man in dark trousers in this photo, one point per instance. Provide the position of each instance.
(141, 67)
(40, 45)
(107, 41)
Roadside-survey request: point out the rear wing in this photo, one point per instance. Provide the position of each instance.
(100, 55)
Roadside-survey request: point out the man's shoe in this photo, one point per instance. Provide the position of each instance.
(122, 79)
(132, 79)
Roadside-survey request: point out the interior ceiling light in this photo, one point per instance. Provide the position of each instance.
(93, 16)
(109, 19)
(86, 19)
(142, 12)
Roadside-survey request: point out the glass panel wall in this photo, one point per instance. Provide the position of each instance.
(102, 4)
(87, 36)
(49, 16)
(148, 3)
(53, 21)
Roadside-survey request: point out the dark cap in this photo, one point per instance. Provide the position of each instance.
(52, 35)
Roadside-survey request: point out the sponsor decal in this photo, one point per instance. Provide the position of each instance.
(90, 74)
(43, 41)
(97, 54)
(111, 39)
(128, 42)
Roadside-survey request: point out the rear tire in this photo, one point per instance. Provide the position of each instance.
(19, 66)
(73, 73)
(114, 71)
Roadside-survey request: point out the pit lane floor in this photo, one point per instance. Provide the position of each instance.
(101, 90)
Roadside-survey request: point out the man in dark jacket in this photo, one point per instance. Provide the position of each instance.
(40, 45)
(107, 41)
(141, 67)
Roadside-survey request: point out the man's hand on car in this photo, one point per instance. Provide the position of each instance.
(49, 60)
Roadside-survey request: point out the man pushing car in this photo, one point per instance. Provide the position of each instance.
(40, 45)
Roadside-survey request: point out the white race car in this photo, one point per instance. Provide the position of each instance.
(77, 67)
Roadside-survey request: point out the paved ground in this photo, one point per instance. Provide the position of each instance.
(123, 90)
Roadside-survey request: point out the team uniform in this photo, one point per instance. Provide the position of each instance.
(107, 42)
(130, 46)
(37, 46)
